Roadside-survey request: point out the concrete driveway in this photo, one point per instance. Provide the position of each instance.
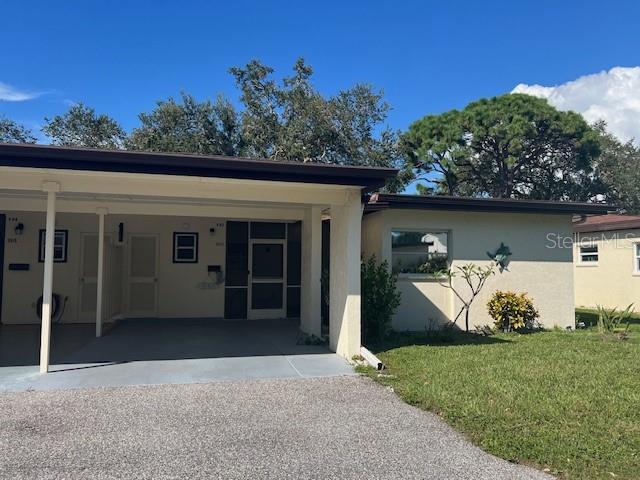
(162, 351)
(340, 427)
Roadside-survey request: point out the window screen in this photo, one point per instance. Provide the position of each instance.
(266, 296)
(267, 230)
(267, 260)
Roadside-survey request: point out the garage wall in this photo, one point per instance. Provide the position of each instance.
(540, 265)
(180, 286)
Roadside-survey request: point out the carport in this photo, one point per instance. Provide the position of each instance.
(162, 351)
(219, 214)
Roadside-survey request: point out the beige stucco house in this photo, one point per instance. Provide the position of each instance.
(607, 261)
(93, 236)
(407, 231)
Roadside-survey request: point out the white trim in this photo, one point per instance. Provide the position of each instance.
(47, 289)
(581, 262)
(635, 254)
(100, 273)
(263, 191)
(256, 314)
(193, 248)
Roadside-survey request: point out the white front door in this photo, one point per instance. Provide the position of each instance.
(267, 292)
(142, 291)
(88, 277)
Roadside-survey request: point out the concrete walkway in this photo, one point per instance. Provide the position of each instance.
(177, 351)
(340, 428)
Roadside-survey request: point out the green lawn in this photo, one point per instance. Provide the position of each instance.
(568, 402)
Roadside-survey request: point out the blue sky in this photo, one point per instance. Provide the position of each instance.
(428, 56)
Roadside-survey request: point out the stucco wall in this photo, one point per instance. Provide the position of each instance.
(545, 273)
(178, 292)
(613, 281)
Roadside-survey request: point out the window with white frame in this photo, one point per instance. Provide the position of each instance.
(419, 251)
(589, 254)
(60, 239)
(636, 257)
(185, 247)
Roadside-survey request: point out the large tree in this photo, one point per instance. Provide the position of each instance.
(81, 126)
(435, 148)
(189, 126)
(13, 132)
(619, 169)
(509, 146)
(292, 120)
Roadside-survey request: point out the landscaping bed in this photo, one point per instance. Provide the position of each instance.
(566, 402)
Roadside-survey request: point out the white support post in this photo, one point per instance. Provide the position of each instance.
(311, 292)
(100, 274)
(344, 288)
(47, 290)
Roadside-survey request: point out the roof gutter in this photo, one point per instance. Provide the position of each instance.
(41, 156)
(379, 201)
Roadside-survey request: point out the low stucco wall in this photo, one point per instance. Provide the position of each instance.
(613, 281)
(541, 263)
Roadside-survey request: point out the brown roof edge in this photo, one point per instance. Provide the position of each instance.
(600, 223)
(424, 202)
(71, 158)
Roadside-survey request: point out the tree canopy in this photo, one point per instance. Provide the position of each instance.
(81, 126)
(618, 167)
(509, 146)
(292, 120)
(189, 126)
(513, 145)
(13, 132)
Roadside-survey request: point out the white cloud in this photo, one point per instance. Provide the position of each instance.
(12, 94)
(612, 96)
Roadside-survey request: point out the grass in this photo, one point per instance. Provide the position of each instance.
(567, 402)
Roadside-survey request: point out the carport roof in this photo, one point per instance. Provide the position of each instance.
(71, 158)
(380, 201)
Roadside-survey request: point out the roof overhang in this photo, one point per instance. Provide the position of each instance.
(630, 224)
(126, 161)
(379, 201)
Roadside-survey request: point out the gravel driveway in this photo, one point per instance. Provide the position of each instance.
(342, 428)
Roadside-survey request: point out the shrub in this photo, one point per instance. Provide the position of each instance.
(380, 299)
(610, 320)
(512, 311)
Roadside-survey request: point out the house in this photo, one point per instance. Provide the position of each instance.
(409, 232)
(607, 260)
(93, 236)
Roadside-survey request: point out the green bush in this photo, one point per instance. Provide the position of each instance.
(610, 320)
(380, 299)
(512, 311)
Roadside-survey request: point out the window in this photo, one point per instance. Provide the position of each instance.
(185, 247)
(419, 251)
(589, 254)
(59, 246)
(636, 257)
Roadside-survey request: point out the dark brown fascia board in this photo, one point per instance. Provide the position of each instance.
(419, 202)
(606, 227)
(97, 160)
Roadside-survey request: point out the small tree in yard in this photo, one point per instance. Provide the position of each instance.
(380, 299)
(474, 277)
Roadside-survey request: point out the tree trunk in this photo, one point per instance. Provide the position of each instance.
(466, 320)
